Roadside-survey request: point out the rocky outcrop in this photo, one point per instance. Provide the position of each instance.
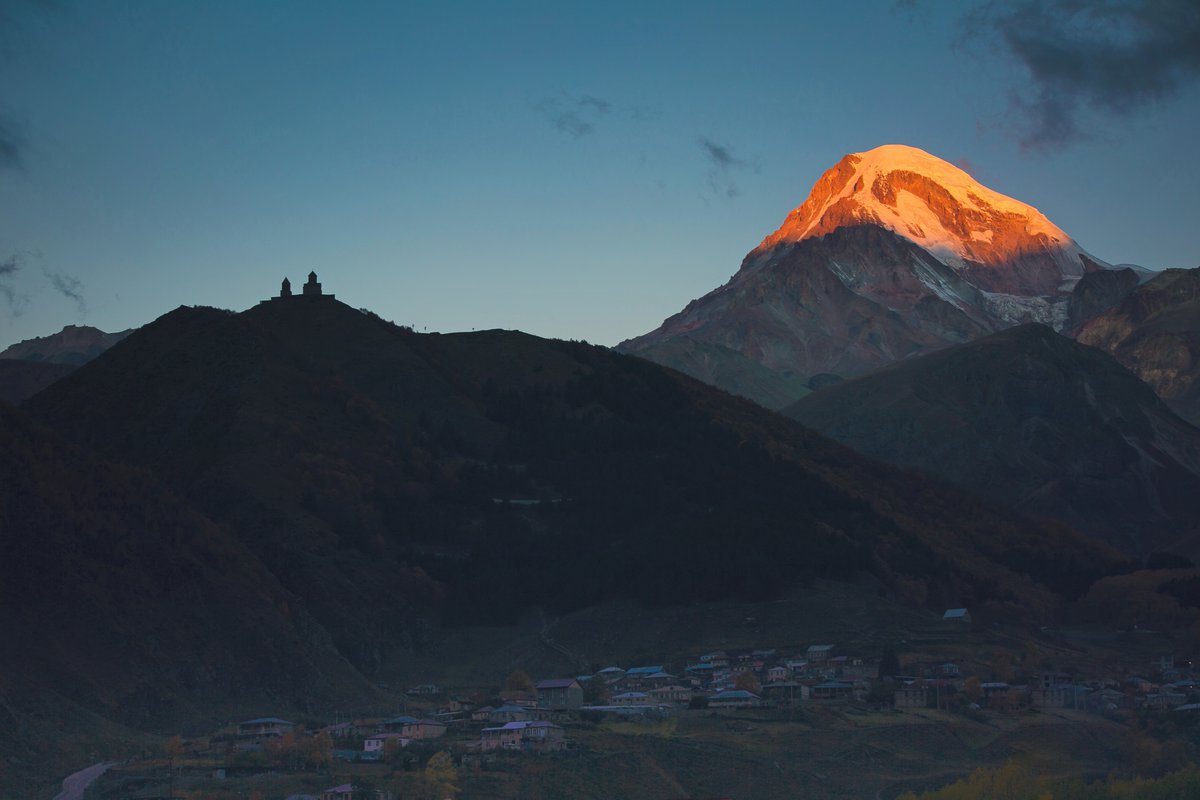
(1155, 333)
(1034, 421)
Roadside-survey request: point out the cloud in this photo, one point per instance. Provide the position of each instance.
(69, 287)
(1112, 57)
(574, 116)
(722, 166)
(12, 142)
(9, 268)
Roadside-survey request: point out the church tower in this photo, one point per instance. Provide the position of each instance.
(312, 287)
(286, 289)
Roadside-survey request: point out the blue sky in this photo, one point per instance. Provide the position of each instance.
(575, 170)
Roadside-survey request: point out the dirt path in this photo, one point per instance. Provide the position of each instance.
(74, 785)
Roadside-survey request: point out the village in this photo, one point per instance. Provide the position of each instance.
(454, 729)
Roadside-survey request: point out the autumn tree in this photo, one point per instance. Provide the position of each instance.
(519, 681)
(438, 779)
(747, 681)
(1002, 667)
(973, 689)
(595, 691)
(173, 748)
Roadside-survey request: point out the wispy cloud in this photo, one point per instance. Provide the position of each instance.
(722, 166)
(69, 287)
(575, 116)
(1111, 57)
(12, 142)
(10, 267)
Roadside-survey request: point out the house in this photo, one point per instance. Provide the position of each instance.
(543, 736)
(424, 688)
(1103, 700)
(510, 713)
(734, 698)
(377, 743)
(631, 699)
(998, 694)
(831, 690)
(949, 670)
(424, 729)
(778, 674)
(636, 677)
(679, 695)
(559, 694)
(397, 723)
(1048, 680)
(611, 674)
(818, 654)
(341, 730)
(1164, 701)
(264, 728)
(523, 736)
(911, 695)
(506, 736)
(482, 714)
(957, 615)
(346, 791)
(517, 697)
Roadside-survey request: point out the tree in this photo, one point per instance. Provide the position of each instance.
(519, 681)
(173, 748)
(595, 691)
(973, 689)
(318, 750)
(439, 777)
(747, 681)
(1002, 667)
(889, 662)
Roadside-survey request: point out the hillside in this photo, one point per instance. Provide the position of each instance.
(1155, 333)
(1037, 422)
(21, 379)
(122, 606)
(390, 479)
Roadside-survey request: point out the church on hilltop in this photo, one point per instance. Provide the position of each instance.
(310, 289)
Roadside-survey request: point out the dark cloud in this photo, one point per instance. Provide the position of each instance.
(574, 116)
(69, 287)
(9, 268)
(722, 166)
(12, 142)
(1113, 57)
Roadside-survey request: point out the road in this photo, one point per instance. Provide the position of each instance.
(74, 785)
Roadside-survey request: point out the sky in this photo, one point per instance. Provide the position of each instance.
(574, 170)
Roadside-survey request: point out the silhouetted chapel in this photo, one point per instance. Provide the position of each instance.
(311, 289)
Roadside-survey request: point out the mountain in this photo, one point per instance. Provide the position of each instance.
(74, 344)
(20, 379)
(895, 253)
(389, 479)
(118, 600)
(1035, 421)
(1155, 332)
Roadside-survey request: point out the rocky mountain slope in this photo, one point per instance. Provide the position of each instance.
(1035, 421)
(895, 253)
(74, 344)
(1155, 332)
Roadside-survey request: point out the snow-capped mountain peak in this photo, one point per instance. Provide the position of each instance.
(935, 205)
